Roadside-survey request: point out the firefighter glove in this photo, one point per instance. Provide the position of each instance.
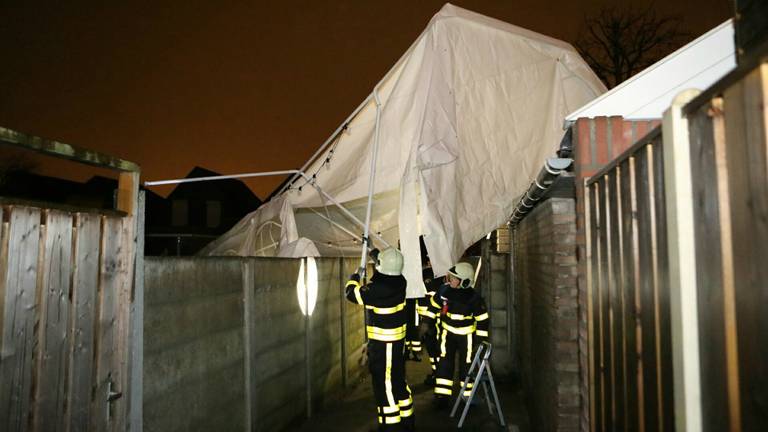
(374, 254)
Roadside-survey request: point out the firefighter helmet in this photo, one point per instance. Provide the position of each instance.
(464, 273)
(390, 262)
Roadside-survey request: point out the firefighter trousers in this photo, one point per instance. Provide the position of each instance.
(412, 342)
(432, 344)
(453, 348)
(394, 402)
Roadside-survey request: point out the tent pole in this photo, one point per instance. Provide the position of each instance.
(219, 177)
(341, 207)
(374, 157)
(334, 223)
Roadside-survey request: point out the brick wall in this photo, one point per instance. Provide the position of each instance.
(597, 141)
(545, 277)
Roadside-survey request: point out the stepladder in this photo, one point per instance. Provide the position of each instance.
(481, 375)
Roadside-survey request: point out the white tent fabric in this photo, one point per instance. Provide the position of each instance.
(468, 116)
(264, 232)
(649, 93)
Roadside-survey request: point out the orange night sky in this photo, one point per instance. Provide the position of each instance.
(229, 86)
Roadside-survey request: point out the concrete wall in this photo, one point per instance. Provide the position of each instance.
(227, 346)
(193, 345)
(545, 280)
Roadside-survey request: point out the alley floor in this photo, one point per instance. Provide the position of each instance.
(355, 410)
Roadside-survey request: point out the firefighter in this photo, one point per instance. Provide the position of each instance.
(384, 300)
(429, 321)
(463, 326)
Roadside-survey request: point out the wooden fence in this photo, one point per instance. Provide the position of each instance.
(677, 282)
(628, 290)
(729, 164)
(66, 280)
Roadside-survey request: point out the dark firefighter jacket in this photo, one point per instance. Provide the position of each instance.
(384, 300)
(432, 285)
(461, 311)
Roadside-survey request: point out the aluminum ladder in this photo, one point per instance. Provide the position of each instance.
(484, 378)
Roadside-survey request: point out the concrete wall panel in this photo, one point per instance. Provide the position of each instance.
(227, 345)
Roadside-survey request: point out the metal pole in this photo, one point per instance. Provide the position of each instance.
(374, 157)
(334, 223)
(308, 336)
(220, 177)
(343, 209)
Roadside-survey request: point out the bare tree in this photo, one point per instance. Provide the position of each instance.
(619, 42)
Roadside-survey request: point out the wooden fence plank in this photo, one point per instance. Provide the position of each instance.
(666, 378)
(605, 304)
(127, 253)
(589, 252)
(19, 318)
(596, 336)
(629, 281)
(710, 296)
(655, 279)
(646, 285)
(107, 373)
(617, 299)
(135, 388)
(747, 143)
(726, 260)
(636, 265)
(51, 391)
(85, 278)
(609, 294)
(4, 229)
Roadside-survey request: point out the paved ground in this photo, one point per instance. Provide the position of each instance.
(355, 411)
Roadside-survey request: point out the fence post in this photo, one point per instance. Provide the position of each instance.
(682, 263)
(250, 324)
(136, 348)
(128, 192)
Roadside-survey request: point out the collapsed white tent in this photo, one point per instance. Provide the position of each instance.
(466, 118)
